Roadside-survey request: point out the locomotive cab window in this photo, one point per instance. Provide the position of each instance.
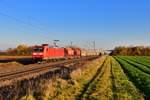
(38, 49)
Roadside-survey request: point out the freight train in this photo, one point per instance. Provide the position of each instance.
(44, 52)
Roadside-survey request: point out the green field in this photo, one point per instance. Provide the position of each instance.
(138, 71)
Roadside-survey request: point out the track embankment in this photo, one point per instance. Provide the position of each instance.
(21, 82)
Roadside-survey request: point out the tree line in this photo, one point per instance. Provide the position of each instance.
(20, 50)
(131, 51)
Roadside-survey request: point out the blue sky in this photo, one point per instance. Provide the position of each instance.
(108, 22)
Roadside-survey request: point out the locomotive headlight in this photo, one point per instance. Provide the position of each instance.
(34, 53)
(37, 54)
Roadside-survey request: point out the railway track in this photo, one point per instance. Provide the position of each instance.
(39, 69)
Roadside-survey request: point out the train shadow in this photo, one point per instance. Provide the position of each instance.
(24, 61)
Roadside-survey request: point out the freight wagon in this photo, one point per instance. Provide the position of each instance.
(89, 52)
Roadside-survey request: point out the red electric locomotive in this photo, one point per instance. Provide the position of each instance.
(45, 52)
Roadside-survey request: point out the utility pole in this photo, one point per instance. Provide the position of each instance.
(71, 43)
(55, 43)
(94, 46)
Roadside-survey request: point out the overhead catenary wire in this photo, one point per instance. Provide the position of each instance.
(31, 22)
(27, 24)
(33, 19)
(41, 28)
(18, 20)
